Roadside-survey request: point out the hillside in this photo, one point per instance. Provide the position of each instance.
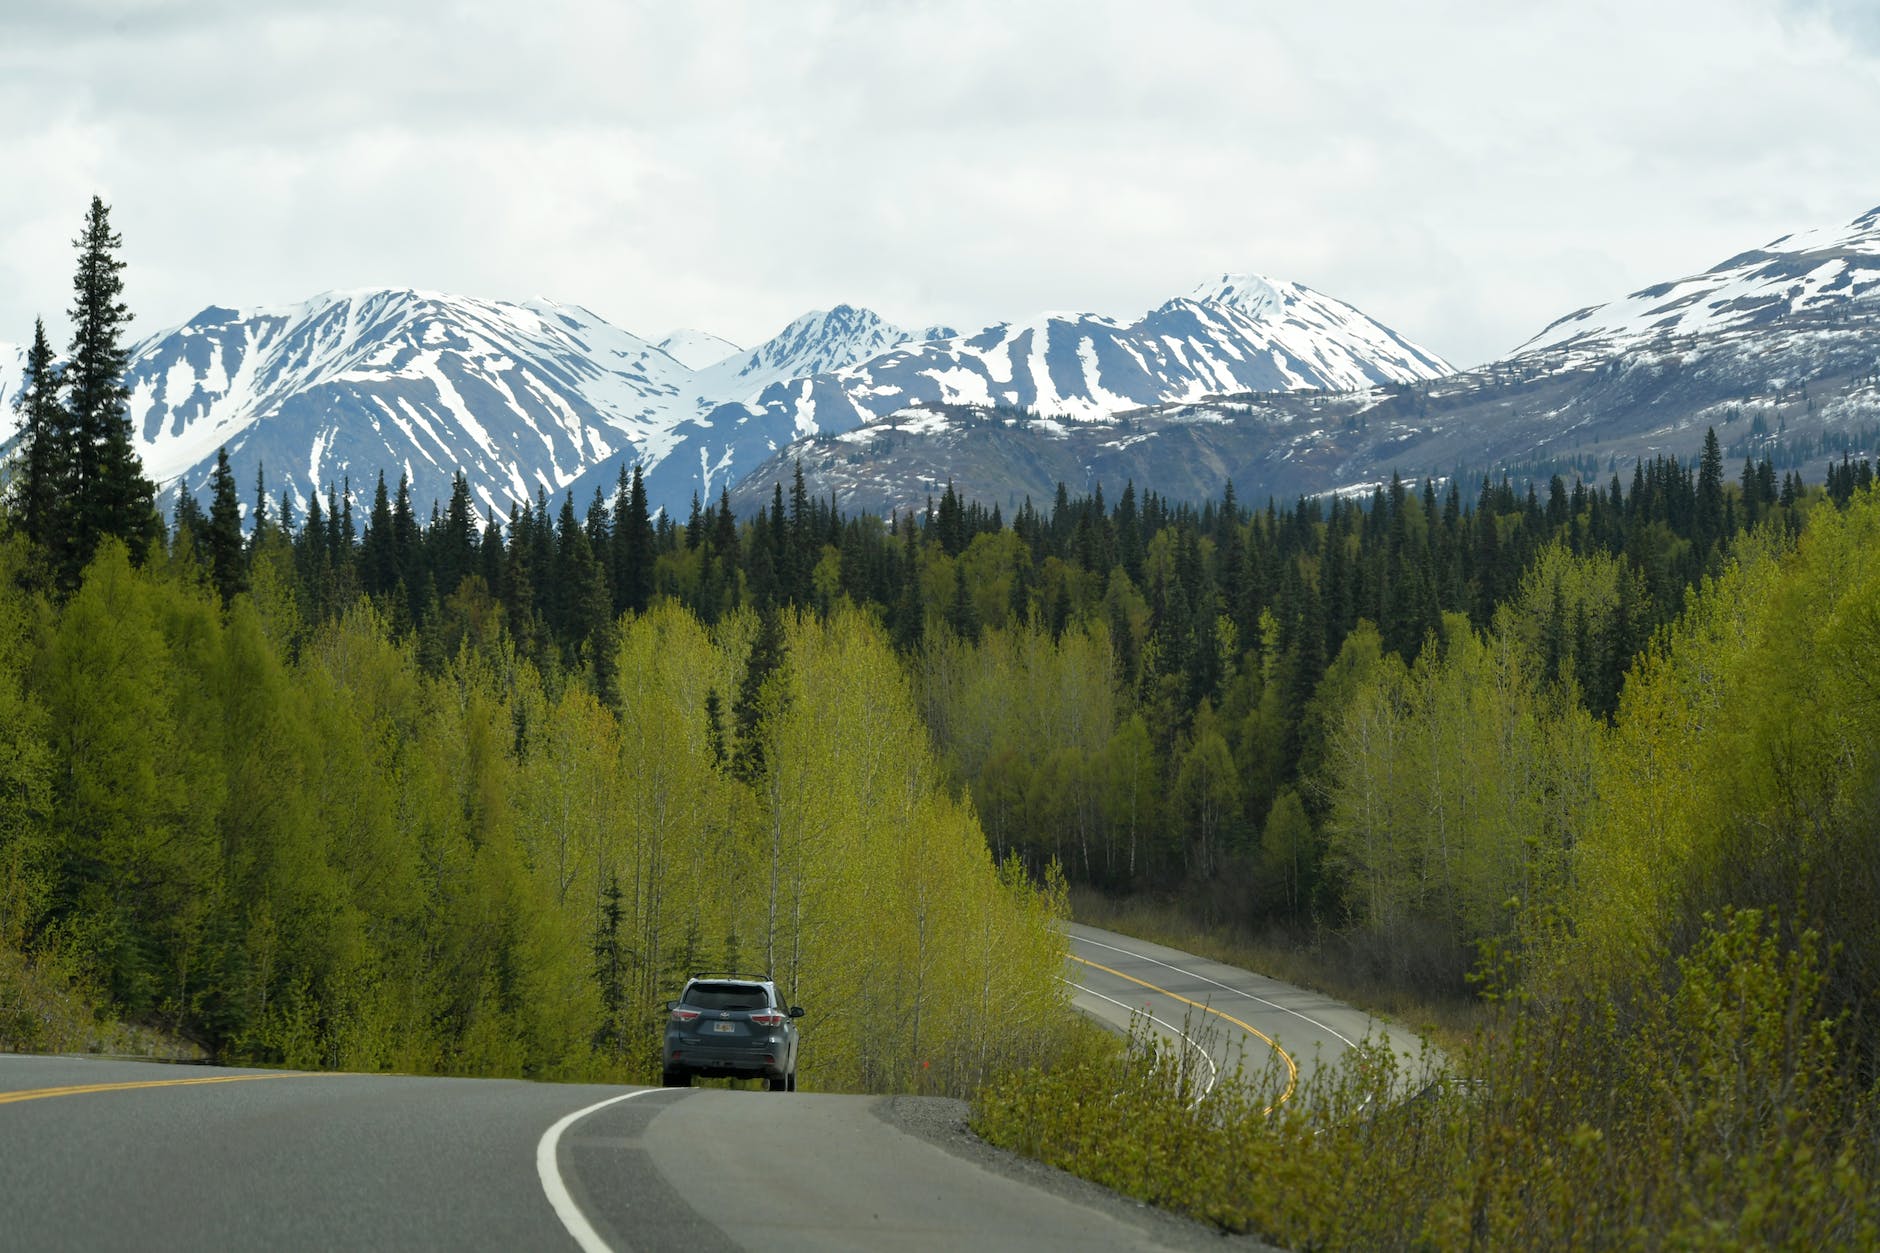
(1778, 349)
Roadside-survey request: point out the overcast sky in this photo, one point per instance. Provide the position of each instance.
(1464, 171)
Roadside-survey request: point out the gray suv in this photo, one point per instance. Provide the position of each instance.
(730, 1026)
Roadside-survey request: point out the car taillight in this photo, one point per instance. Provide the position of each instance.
(684, 1015)
(767, 1018)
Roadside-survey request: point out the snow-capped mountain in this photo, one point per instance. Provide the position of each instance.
(1776, 349)
(696, 349)
(1815, 270)
(350, 383)
(816, 343)
(1238, 333)
(544, 397)
(519, 397)
(1329, 340)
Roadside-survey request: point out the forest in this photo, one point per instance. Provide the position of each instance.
(264, 791)
(411, 787)
(1671, 909)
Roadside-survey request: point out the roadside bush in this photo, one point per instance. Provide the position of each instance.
(1717, 1110)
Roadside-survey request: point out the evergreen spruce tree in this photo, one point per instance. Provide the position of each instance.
(633, 546)
(310, 559)
(490, 555)
(457, 548)
(615, 555)
(748, 710)
(778, 537)
(228, 564)
(963, 618)
(802, 544)
(725, 529)
(609, 968)
(340, 519)
(378, 561)
(40, 497)
(910, 609)
(109, 493)
(1710, 519)
(695, 526)
(715, 728)
(406, 537)
(573, 570)
(262, 520)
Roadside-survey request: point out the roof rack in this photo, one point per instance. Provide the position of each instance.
(743, 978)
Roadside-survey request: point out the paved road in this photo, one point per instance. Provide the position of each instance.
(104, 1155)
(101, 1155)
(1235, 1016)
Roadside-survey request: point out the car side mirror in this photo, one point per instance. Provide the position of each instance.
(796, 1011)
(671, 1005)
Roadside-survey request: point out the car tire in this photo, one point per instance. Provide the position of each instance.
(780, 1084)
(791, 1082)
(675, 1079)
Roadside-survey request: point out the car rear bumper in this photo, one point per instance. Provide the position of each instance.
(726, 1063)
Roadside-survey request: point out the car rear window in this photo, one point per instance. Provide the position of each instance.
(726, 996)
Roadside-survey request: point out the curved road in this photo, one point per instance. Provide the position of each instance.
(98, 1154)
(1233, 1016)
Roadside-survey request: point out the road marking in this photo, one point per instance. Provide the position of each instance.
(1346, 1040)
(1214, 1072)
(80, 1089)
(1292, 1067)
(549, 1172)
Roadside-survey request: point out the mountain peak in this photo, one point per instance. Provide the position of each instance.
(695, 350)
(845, 316)
(818, 342)
(1253, 294)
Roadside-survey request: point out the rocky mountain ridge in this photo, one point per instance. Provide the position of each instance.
(541, 397)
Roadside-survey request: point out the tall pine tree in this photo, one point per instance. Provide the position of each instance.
(228, 565)
(40, 499)
(110, 494)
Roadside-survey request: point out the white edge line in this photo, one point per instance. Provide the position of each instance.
(1348, 1041)
(1237, 992)
(1214, 1071)
(545, 1167)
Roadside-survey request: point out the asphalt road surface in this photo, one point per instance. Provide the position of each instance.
(1223, 1017)
(99, 1154)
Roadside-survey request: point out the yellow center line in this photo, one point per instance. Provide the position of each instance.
(40, 1094)
(1292, 1067)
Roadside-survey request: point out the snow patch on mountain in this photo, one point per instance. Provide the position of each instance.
(1809, 271)
(1240, 333)
(816, 343)
(696, 350)
(1338, 344)
(515, 395)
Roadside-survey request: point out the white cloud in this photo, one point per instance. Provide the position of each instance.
(1465, 171)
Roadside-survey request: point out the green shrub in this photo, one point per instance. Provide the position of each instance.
(1717, 1111)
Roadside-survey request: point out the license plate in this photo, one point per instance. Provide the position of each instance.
(725, 1027)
